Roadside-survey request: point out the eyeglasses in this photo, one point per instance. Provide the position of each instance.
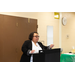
(36, 36)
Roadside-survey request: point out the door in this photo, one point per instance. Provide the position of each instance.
(9, 39)
(1, 37)
(21, 34)
(32, 26)
(13, 32)
(24, 28)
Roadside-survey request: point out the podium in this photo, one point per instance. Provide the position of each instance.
(52, 55)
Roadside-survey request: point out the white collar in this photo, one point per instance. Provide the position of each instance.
(33, 42)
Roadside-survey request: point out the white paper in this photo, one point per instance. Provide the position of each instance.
(49, 35)
(69, 53)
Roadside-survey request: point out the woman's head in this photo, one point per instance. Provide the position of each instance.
(34, 36)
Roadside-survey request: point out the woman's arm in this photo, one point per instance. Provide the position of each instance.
(25, 48)
(46, 47)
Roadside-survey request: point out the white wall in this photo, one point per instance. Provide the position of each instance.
(68, 29)
(22, 14)
(47, 19)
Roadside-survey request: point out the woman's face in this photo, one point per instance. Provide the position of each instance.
(35, 37)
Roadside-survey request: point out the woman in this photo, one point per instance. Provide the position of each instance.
(32, 46)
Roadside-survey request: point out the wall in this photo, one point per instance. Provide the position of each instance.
(69, 29)
(44, 19)
(47, 19)
(22, 14)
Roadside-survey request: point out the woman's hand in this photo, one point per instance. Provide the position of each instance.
(52, 45)
(32, 51)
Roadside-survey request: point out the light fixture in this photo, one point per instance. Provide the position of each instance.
(56, 15)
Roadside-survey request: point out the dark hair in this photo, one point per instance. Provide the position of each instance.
(31, 35)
